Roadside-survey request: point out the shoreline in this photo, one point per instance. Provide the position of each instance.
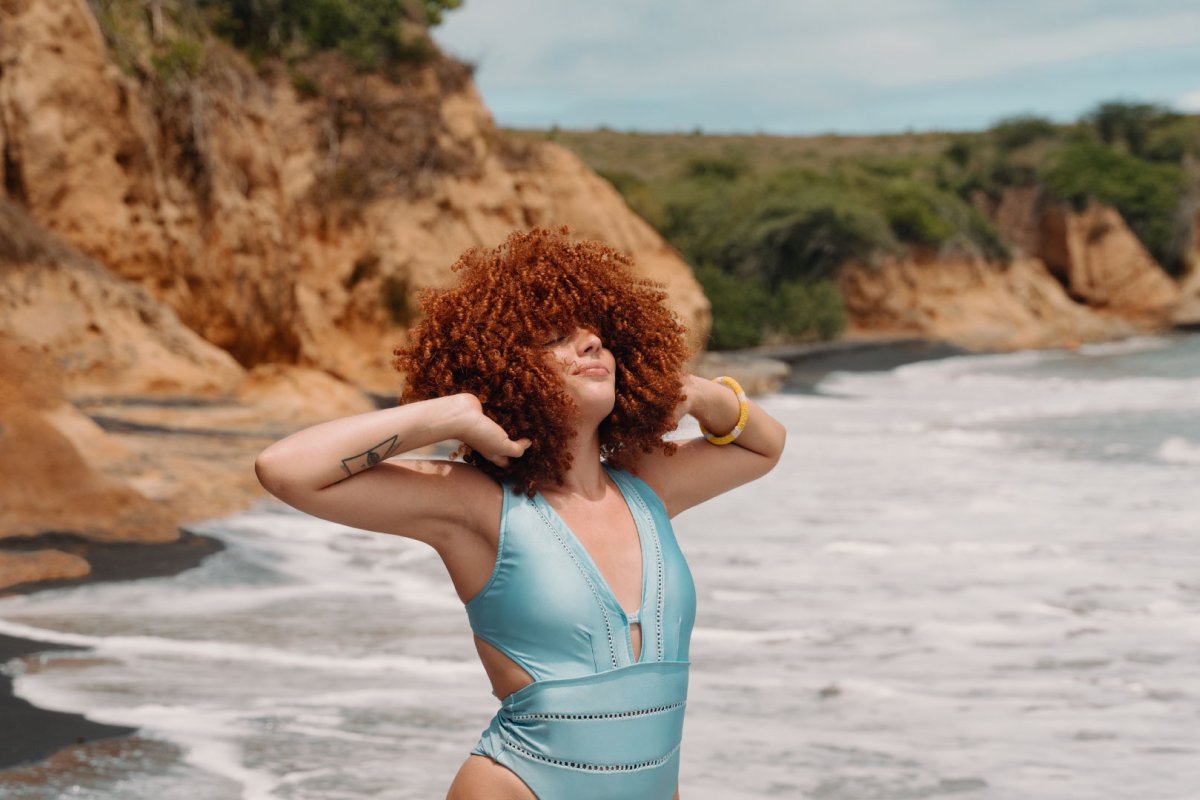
(809, 364)
(45, 733)
(42, 732)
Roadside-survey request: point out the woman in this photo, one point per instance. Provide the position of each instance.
(559, 373)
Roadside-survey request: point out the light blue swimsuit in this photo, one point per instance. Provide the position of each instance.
(595, 724)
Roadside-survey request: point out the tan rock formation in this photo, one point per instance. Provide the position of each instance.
(40, 565)
(1102, 263)
(976, 304)
(1092, 253)
(46, 484)
(1018, 217)
(170, 187)
(396, 241)
(1188, 312)
(106, 335)
(297, 396)
(160, 231)
(284, 227)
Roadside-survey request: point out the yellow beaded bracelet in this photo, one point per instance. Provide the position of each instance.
(743, 413)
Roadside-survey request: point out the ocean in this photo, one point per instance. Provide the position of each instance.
(975, 577)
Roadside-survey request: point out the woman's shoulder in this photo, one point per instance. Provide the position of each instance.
(644, 488)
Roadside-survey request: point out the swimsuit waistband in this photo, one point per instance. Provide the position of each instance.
(625, 719)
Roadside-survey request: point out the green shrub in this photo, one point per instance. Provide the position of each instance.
(919, 213)
(1147, 194)
(740, 309)
(181, 57)
(777, 227)
(304, 85)
(808, 310)
(1016, 132)
(1128, 125)
(1173, 141)
(811, 241)
(721, 168)
(1006, 172)
(371, 33)
(961, 151)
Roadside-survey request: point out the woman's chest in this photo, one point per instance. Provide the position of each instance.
(608, 535)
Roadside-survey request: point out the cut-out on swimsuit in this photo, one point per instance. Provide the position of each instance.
(596, 723)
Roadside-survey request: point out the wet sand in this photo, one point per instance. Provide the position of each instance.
(810, 363)
(30, 733)
(36, 734)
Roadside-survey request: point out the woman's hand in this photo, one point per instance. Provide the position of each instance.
(711, 403)
(699, 470)
(692, 386)
(486, 437)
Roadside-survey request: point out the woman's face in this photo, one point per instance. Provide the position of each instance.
(589, 371)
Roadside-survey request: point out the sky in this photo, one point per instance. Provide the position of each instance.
(837, 66)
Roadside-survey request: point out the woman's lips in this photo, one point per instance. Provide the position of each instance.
(594, 369)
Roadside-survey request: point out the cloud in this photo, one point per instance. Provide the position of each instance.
(878, 43)
(625, 62)
(1189, 101)
(964, 49)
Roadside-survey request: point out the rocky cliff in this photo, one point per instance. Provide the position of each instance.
(281, 225)
(198, 255)
(196, 258)
(1076, 275)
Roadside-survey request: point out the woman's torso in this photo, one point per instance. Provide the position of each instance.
(554, 630)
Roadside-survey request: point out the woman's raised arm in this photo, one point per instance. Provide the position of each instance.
(698, 470)
(339, 471)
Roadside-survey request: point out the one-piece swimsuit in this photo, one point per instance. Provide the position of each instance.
(596, 723)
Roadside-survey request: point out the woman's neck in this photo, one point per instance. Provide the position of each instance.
(586, 475)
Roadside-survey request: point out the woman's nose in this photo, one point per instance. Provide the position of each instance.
(588, 341)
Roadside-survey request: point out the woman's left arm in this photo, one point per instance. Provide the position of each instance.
(700, 470)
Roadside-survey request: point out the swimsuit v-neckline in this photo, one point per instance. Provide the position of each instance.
(585, 556)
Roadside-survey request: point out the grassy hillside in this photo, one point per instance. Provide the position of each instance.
(768, 220)
(653, 156)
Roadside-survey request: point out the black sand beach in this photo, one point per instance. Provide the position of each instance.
(30, 733)
(810, 363)
(34, 734)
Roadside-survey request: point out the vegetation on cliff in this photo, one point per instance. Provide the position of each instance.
(769, 220)
(365, 63)
(766, 222)
(373, 34)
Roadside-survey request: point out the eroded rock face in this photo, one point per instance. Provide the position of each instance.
(281, 227)
(46, 483)
(1092, 253)
(1103, 264)
(976, 304)
(1188, 311)
(103, 335)
(1076, 276)
(40, 565)
(227, 240)
(172, 187)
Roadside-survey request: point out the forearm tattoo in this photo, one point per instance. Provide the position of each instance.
(369, 458)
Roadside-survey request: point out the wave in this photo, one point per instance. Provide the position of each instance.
(981, 397)
(227, 651)
(1135, 344)
(1178, 450)
(736, 636)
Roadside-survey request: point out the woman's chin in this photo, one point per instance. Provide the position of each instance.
(594, 409)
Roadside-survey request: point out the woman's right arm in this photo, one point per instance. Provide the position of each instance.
(339, 471)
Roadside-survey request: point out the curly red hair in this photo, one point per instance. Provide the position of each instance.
(486, 336)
